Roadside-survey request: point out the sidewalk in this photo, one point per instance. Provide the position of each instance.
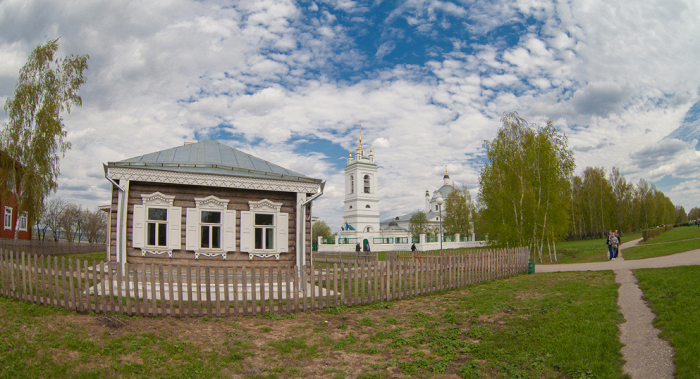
(646, 355)
(688, 258)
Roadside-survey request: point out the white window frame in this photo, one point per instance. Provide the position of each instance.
(8, 222)
(193, 234)
(352, 184)
(23, 222)
(173, 238)
(157, 225)
(281, 229)
(367, 183)
(264, 230)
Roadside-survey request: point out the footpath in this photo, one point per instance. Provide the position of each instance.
(646, 355)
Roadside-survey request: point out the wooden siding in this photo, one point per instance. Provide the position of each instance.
(184, 198)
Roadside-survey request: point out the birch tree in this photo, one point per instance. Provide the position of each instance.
(34, 135)
(525, 185)
(459, 213)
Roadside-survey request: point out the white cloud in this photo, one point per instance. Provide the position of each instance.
(616, 77)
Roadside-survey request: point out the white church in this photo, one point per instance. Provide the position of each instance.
(361, 220)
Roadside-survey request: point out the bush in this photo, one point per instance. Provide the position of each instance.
(649, 234)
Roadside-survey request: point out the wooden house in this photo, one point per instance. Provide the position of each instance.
(207, 201)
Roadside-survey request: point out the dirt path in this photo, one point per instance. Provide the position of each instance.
(646, 355)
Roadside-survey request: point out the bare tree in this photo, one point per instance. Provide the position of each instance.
(67, 222)
(53, 211)
(95, 225)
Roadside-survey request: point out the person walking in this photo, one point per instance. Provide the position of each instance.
(366, 250)
(619, 242)
(413, 248)
(615, 243)
(609, 243)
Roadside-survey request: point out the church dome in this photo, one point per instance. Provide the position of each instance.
(443, 192)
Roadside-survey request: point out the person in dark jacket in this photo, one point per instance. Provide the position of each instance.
(413, 247)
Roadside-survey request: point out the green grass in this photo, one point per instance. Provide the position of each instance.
(660, 250)
(99, 256)
(674, 295)
(675, 234)
(583, 251)
(559, 325)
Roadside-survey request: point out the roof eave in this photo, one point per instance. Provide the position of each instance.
(174, 167)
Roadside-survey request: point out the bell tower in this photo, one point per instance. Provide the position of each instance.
(361, 205)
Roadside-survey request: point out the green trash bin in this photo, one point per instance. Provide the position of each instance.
(531, 266)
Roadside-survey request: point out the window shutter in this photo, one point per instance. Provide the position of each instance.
(229, 231)
(247, 231)
(191, 229)
(174, 227)
(283, 233)
(137, 230)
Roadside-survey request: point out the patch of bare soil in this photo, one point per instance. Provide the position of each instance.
(254, 336)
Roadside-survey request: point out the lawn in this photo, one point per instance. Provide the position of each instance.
(660, 249)
(560, 325)
(674, 296)
(584, 251)
(675, 234)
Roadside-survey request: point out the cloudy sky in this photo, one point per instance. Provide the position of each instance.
(289, 82)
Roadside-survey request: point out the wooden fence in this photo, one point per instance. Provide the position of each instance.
(344, 257)
(51, 247)
(208, 290)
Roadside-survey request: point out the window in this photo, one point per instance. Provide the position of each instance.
(8, 218)
(436, 207)
(23, 221)
(211, 227)
(210, 231)
(367, 184)
(367, 206)
(157, 227)
(264, 231)
(352, 184)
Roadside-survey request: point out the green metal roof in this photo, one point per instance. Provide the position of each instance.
(214, 158)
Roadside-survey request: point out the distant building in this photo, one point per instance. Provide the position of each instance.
(361, 220)
(8, 205)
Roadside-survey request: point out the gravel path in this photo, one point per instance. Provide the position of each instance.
(646, 355)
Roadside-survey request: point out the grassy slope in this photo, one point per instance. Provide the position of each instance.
(675, 234)
(660, 250)
(561, 325)
(674, 294)
(584, 251)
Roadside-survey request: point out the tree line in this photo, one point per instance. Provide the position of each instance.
(529, 196)
(71, 222)
(601, 202)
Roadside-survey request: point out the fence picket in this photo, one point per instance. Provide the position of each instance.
(253, 292)
(236, 298)
(271, 291)
(207, 283)
(137, 306)
(171, 290)
(244, 278)
(279, 291)
(161, 287)
(180, 307)
(118, 306)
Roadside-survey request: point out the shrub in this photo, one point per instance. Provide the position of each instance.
(649, 234)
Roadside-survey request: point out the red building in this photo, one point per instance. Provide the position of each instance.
(9, 210)
(10, 213)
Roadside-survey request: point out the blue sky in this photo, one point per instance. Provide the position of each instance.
(289, 82)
